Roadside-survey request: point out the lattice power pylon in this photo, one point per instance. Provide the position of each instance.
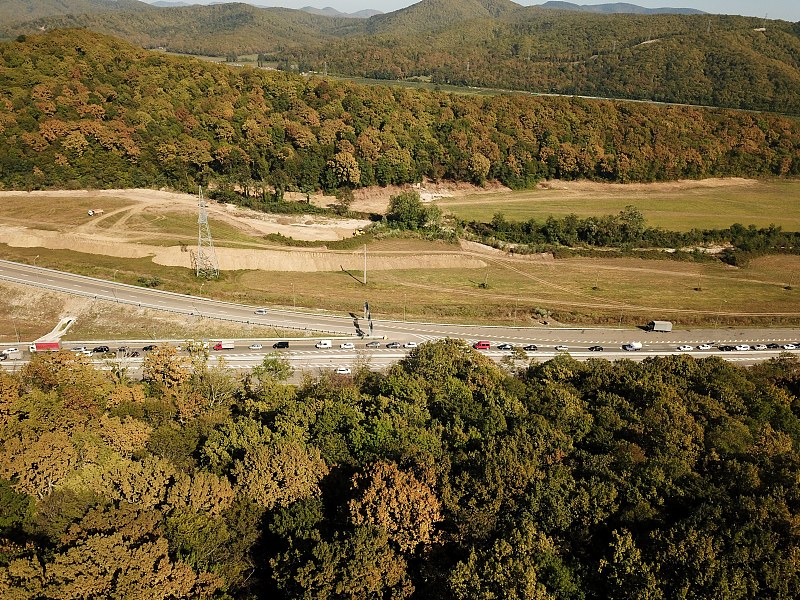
(205, 261)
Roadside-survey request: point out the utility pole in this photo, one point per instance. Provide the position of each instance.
(365, 264)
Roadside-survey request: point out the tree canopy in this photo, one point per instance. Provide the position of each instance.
(446, 476)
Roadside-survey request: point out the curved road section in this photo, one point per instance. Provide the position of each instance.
(575, 339)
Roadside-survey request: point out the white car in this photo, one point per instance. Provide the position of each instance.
(347, 346)
(705, 347)
(262, 311)
(10, 350)
(343, 371)
(562, 348)
(760, 347)
(789, 347)
(255, 346)
(742, 347)
(410, 345)
(78, 349)
(685, 348)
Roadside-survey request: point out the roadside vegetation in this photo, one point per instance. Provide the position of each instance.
(444, 477)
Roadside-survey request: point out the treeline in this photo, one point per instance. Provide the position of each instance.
(78, 109)
(715, 60)
(628, 229)
(446, 477)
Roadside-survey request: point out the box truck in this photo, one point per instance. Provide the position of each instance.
(659, 326)
(222, 345)
(45, 346)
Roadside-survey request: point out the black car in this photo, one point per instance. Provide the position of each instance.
(530, 348)
(149, 348)
(373, 345)
(280, 345)
(773, 346)
(727, 348)
(505, 346)
(393, 345)
(596, 348)
(133, 354)
(122, 350)
(100, 349)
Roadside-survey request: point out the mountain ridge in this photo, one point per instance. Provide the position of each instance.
(618, 8)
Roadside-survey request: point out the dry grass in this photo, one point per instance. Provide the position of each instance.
(676, 206)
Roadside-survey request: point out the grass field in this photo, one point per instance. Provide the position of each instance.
(507, 291)
(678, 207)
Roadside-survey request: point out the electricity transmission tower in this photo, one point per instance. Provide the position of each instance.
(205, 260)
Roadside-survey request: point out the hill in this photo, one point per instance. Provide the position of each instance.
(82, 109)
(332, 12)
(619, 8)
(18, 11)
(694, 59)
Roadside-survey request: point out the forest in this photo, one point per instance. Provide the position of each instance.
(445, 477)
(710, 60)
(80, 109)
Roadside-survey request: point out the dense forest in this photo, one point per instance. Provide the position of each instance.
(714, 60)
(445, 477)
(79, 109)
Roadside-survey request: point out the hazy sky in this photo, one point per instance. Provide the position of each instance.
(788, 10)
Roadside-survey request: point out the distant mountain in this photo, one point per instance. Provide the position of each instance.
(619, 8)
(329, 11)
(434, 15)
(170, 3)
(18, 11)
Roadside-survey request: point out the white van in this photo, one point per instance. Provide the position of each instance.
(630, 346)
(324, 344)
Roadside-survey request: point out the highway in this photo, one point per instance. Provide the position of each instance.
(341, 328)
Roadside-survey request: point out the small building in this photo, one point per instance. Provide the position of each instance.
(659, 326)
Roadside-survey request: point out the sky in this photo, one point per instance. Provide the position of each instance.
(788, 10)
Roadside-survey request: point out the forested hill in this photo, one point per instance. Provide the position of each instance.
(445, 478)
(708, 60)
(82, 109)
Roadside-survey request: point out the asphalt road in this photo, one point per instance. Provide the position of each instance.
(346, 327)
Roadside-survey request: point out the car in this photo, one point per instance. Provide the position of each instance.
(760, 347)
(393, 345)
(505, 346)
(789, 347)
(78, 349)
(410, 345)
(100, 349)
(773, 346)
(255, 347)
(685, 348)
(149, 348)
(726, 348)
(261, 311)
(530, 348)
(347, 346)
(343, 371)
(8, 351)
(373, 344)
(562, 348)
(281, 345)
(705, 347)
(122, 350)
(3, 356)
(133, 354)
(595, 348)
(742, 347)
(86, 352)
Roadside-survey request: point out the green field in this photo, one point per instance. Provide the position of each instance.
(677, 207)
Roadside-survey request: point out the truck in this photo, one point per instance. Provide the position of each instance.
(323, 344)
(222, 345)
(664, 326)
(630, 346)
(45, 346)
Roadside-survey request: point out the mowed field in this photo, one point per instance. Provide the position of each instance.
(679, 206)
(468, 283)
